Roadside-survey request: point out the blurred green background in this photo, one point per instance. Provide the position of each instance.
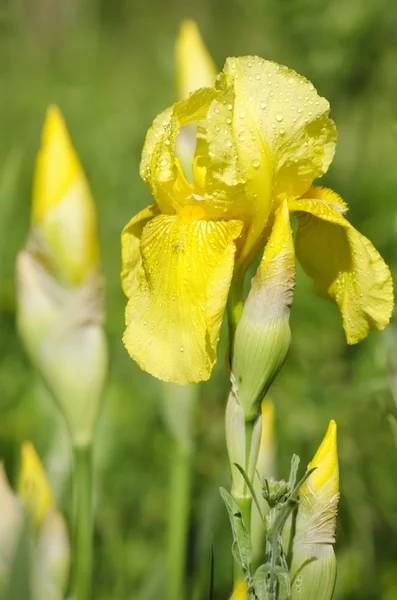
(110, 67)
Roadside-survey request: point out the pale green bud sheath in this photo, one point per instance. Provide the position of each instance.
(263, 335)
(311, 552)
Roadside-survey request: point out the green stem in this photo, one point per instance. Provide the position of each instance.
(83, 523)
(179, 405)
(244, 500)
(178, 520)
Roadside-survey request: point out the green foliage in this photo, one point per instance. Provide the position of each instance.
(109, 65)
(242, 550)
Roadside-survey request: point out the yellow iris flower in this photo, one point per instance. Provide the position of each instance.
(263, 136)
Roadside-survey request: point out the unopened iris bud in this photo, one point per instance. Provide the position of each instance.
(60, 312)
(63, 211)
(263, 336)
(194, 65)
(313, 565)
(48, 537)
(240, 591)
(33, 487)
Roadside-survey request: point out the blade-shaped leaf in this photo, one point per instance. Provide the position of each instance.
(242, 549)
(261, 578)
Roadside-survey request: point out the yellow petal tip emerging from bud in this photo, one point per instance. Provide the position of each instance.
(267, 438)
(325, 462)
(63, 211)
(194, 65)
(240, 591)
(57, 165)
(33, 486)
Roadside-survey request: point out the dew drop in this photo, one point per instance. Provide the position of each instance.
(279, 117)
(263, 105)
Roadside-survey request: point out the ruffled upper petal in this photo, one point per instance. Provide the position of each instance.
(343, 263)
(177, 272)
(159, 167)
(268, 136)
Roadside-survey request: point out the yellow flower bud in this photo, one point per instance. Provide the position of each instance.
(63, 212)
(60, 312)
(194, 65)
(240, 591)
(313, 564)
(33, 487)
(263, 336)
(325, 462)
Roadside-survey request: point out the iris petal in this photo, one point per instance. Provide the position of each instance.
(177, 273)
(343, 263)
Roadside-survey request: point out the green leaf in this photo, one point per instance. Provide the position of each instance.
(253, 494)
(261, 578)
(242, 548)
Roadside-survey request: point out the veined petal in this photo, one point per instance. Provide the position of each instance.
(194, 65)
(181, 268)
(343, 263)
(63, 210)
(130, 247)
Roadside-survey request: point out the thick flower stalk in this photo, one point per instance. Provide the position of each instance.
(263, 136)
(48, 538)
(60, 313)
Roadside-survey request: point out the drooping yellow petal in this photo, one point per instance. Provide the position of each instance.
(63, 209)
(343, 263)
(33, 486)
(194, 65)
(177, 272)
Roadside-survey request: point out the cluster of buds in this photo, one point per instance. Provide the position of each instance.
(33, 508)
(60, 311)
(299, 524)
